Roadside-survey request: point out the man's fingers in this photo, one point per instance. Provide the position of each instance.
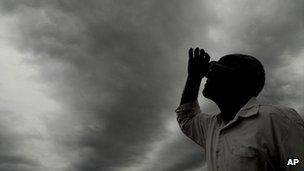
(190, 52)
(207, 57)
(196, 53)
(199, 55)
(202, 53)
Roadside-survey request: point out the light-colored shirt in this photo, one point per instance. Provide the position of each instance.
(259, 138)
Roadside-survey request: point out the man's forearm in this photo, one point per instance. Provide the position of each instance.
(191, 89)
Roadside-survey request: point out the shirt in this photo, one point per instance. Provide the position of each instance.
(260, 137)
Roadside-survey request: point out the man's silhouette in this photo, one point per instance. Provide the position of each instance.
(245, 135)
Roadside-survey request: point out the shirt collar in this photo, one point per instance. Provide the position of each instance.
(251, 108)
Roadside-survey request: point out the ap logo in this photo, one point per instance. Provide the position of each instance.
(292, 162)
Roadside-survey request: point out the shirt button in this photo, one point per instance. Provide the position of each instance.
(217, 154)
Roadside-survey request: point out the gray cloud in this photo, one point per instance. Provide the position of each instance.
(179, 154)
(111, 63)
(10, 140)
(117, 68)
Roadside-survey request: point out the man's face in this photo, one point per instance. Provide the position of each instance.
(221, 80)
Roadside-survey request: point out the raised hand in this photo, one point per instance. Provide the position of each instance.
(198, 63)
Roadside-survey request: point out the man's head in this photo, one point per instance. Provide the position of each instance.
(234, 75)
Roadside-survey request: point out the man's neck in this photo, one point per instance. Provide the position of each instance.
(230, 107)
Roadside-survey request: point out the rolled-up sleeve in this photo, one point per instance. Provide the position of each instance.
(192, 122)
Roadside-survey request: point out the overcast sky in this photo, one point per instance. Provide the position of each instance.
(93, 85)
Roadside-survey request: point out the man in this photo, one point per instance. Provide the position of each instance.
(245, 135)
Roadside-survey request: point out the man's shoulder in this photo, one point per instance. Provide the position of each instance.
(275, 109)
(278, 113)
(279, 121)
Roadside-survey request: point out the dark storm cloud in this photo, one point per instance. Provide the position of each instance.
(10, 160)
(180, 155)
(116, 68)
(9, 163)
(111, 63)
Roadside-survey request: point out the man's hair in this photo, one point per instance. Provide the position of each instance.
(250, 71)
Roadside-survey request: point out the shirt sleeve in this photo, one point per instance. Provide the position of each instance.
(192, 122)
